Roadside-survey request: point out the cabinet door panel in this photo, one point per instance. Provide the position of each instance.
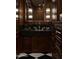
(18, 45)
(27, 44)
(41, 44)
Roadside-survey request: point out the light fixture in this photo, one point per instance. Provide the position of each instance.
(54, 16)
(16, 16)
(39, 4)
(53, 0)
(48, 10)
(60, 16)
(30, 10)
(47, 16)
(30, 16)
(16, 10)
(54, 10)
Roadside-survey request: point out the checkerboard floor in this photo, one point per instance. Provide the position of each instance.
(34, 56)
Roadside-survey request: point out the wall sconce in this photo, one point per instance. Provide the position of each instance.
(47, 10)
(16, 16)
(53, 0)
(47, 16)
(30, 10)
(30, 16)
(54, 16)
(16, 10)
(54, 10)
(60, 16)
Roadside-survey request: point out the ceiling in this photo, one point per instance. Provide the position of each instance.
(37, 2)
(34, 3)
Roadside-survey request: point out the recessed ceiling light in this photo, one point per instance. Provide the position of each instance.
(60, 15)
(16, 16)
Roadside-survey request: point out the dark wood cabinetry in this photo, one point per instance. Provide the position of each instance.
(34, 40)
